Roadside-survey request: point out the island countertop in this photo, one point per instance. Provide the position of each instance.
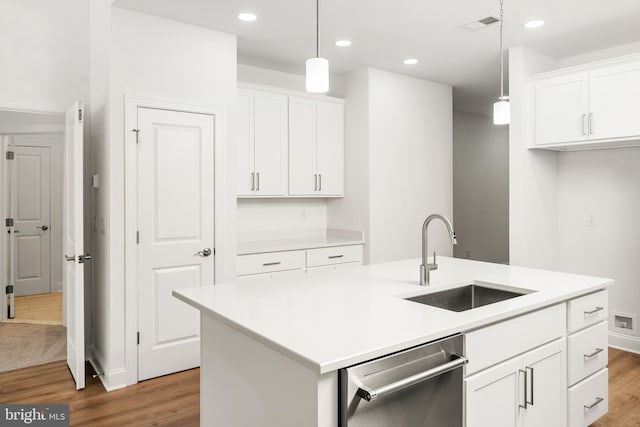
(331, 320)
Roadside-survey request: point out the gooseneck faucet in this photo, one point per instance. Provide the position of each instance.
(426, 267)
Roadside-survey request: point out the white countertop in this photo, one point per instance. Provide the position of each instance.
(254, 243)
(335, 319)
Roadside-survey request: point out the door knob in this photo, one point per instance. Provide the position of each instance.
(204, 253)
(43, 228)
(83, 258)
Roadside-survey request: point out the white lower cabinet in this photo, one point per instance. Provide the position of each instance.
(589, 399)
(527, 390)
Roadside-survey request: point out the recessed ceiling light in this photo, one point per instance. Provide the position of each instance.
(343, 43)
(247, 16)
(534, 24)
(410, 61)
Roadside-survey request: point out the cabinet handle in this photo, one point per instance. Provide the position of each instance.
(530, 369)
(315, 182)
(269, 264)
(594, 311)
(595, 353)
(584, 118)
(591, 124)
(257, 181)
(525, 389)
(320, 182)
(335, 256)
(253, 181)
(594, 404)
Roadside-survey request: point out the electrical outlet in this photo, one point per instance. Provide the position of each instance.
(624, 323)
(591, 222)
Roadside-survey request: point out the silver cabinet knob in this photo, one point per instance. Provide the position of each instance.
(204, 253)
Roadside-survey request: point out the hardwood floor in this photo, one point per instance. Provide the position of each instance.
(624, 391)
(174, 400)
(43, 309)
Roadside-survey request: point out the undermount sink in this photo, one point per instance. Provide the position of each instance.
(467, 297)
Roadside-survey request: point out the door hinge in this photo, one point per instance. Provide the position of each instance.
(8, 222)
(80, 115)
(9, 289)
(10, 155)
(137, 237)
(137, 131)
(138, 338)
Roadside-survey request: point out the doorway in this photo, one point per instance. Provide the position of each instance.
(32, 330)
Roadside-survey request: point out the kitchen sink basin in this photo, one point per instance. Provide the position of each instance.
(468, 297)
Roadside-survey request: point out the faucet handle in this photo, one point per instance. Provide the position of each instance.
(434, 264)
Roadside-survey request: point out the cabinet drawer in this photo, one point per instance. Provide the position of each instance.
(588, 310)
(270, 262)
(589, 400)
(335, 255)
(587, 352)
(487, 346)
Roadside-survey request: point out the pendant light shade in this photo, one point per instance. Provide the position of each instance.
(501, 109)
(317, 75)
(317, 68)
(501, 113)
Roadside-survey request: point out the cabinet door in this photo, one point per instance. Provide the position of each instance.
(330, 148)
(492, 396)
(562, 109)
(302, 146)
(244, 142)
(270, 144)
(613, 101)
(546, 391)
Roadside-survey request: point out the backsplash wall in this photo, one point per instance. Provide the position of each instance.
(275, 215)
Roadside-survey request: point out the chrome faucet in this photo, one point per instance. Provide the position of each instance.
(425, 267)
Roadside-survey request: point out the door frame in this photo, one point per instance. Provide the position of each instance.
(5, 133)
(132, 103)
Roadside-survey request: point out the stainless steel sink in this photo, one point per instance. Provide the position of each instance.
(468, 297)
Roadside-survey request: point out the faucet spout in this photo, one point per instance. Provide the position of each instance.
(426, 267)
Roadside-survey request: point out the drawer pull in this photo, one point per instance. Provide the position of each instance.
(595, 353)
(268, 264)
(335, 256)
(594, 404)
(594, 311)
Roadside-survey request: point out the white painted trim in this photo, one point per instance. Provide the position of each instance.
(624, 342)
(222, 193)
(3, 236)
(585, 67)
(110, 381)
(17, 107)
(290, 92)
(31, 129)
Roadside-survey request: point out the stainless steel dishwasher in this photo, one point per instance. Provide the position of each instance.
(418, 387)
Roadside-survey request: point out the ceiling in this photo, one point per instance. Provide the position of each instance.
(385, 32)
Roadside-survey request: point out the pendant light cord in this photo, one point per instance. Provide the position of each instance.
(501, 51)
(317, 28)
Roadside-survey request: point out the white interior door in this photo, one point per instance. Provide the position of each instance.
(176, 235)
(31, 201)
(73, 236)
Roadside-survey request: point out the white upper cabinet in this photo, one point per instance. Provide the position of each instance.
(614, 98)
(262, 143)
(596, 106)
(316, 148)
(562, 107)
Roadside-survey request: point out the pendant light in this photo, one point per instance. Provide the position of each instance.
(317, 68)
(501, 110)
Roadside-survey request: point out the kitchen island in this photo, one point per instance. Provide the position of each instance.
(271, 351)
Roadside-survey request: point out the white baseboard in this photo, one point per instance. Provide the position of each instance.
(112, 380)
(624, 342)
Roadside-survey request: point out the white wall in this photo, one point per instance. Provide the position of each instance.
(401, 158)
(45, 54)
(533, 174)
(148, 56)
(269, 217)
(480, 188)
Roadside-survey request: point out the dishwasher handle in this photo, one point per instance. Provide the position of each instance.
(370, 394)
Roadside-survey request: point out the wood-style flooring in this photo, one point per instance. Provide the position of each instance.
(43, 309)
(174, 400)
